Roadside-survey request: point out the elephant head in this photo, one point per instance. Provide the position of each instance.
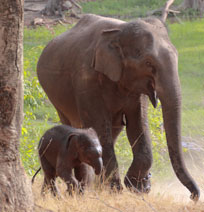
(141, 59)
(86, 148)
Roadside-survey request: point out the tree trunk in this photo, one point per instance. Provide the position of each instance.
(194, 4)
(15, 189)
(55, 7)
(186, 4)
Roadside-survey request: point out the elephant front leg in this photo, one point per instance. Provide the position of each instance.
(72, 185)
(138, 175)
(84, 174)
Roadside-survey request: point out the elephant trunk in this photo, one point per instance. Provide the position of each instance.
(170, 97)
(98, 165)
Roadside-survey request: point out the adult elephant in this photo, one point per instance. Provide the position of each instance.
(99, 73)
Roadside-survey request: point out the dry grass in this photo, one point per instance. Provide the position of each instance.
(169, 197)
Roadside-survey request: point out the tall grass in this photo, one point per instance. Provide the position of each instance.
(169, 197)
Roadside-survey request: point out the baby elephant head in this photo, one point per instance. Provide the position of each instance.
(87, 149)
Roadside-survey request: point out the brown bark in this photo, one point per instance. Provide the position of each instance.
(54, 7)
(194, 4)
(15, 189)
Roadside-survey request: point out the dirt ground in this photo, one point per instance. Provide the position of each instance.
(33, 15)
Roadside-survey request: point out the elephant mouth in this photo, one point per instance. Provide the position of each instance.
(152, 94)
(97, 166)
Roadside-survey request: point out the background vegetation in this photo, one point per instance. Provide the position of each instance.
(188, 38)
(124, 9)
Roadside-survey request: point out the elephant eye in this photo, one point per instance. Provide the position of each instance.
(148, 63)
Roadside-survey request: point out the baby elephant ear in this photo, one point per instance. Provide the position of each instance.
(72, 145)
(70, 137)
(107, 58)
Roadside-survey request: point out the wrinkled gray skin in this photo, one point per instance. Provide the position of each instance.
(62, 149)
(100, 74)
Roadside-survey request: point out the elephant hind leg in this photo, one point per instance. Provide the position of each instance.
(112, 169)
(110, 174)
(63, 118)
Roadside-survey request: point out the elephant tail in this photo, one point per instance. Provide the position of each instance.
(33, 178)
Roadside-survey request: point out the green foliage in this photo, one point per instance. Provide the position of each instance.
(31, 133)
(189, 41)
(160, 152)
(123, 152)
(39, 114)
(33, 93)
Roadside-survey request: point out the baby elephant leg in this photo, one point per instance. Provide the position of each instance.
(69, 179)
(49, 178)
(84, 174)
(49, 184)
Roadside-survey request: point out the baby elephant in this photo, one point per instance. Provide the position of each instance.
(62, 149)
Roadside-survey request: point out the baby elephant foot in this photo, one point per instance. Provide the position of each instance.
(76, 189)
(81, 188)
(136, 185)
(50, 186)
(116, 185)
(72, 188)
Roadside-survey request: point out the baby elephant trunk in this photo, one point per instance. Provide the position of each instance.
(98, 165)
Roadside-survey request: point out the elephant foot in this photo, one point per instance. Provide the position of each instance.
(113, 182)
(136, 185)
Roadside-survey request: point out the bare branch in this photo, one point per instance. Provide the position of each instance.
(76, 5)
(166, 10)
(174, 11)
(152, 12)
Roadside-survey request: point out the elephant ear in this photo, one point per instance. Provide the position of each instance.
(107, 58)
(72, 145)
